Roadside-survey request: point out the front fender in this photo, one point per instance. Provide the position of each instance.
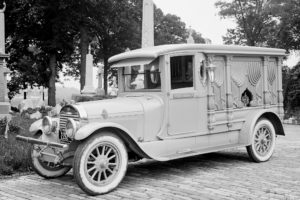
(90, 128)
(246, 133)
(37, 126)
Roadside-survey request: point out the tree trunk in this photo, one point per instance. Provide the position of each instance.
(105, 73)
(84, 43)
(51, 83)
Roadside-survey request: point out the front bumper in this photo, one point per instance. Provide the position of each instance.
(36, 141)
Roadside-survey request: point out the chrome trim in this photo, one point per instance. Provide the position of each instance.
(63, 120)
(74, 127)
(49, 119)
(82, 113)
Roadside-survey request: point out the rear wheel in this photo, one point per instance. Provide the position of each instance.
(263, 141)
(100, 163)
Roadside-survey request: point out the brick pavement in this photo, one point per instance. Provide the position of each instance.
(222, 175)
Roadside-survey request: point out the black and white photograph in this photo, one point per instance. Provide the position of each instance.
(150, 99)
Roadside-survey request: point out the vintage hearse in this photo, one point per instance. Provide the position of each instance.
(174, 101)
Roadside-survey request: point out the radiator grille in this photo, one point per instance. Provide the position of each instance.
(65, 114)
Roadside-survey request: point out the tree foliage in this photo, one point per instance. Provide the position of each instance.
(288, 34)
(273, 23)
(254, 22)
(40, 39)
(169, 29)
(291, 86)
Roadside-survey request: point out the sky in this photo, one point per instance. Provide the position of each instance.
(201, 15)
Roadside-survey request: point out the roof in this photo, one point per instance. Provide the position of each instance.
(154, 52)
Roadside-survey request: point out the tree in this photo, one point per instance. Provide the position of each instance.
(198, 37)
(273, 23)
(19, 27)
(40, 39)
(291, 88)
(287, 14)
(113, 24)
(253, 18)
(169, 29)
(82, 13)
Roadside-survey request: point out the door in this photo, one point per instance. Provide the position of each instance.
(184, 101)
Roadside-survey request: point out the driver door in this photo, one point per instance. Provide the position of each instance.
(184, 103)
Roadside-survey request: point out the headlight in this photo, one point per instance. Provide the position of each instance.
(47, 125)
(71, 128)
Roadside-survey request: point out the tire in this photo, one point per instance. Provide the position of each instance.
(45, 169)
(263, 141)
(100, 163)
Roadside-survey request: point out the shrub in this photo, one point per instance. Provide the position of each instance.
(14, 154)
(14, 127)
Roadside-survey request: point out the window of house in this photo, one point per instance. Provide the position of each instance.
(181, 72)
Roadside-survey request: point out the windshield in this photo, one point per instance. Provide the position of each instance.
(142, 77)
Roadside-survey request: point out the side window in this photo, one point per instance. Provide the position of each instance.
(181, 72)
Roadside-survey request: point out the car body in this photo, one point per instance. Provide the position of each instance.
(174, 101)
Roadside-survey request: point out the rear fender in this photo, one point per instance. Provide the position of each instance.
(246, 133)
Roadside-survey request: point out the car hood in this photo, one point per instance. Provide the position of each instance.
(111, 107)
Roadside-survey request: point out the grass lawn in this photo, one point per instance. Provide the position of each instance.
(14, 154)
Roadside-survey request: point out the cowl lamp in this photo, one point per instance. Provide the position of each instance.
(211, 72)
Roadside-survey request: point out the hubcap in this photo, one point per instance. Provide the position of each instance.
(102, 164)
(263, 140)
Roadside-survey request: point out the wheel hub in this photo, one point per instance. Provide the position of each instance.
(102, 164)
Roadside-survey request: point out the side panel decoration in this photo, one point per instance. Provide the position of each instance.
(272, 80)
(219, 85)
(247, 81)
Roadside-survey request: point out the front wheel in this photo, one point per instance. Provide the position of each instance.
(263, 141)
(100, 163)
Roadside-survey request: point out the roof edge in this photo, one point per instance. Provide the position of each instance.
(153, 52)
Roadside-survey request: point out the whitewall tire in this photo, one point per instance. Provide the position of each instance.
(263, 141)
(100, 163)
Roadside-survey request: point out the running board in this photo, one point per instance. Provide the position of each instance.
(188, 153)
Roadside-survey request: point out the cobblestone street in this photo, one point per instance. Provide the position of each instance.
(222, 175)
